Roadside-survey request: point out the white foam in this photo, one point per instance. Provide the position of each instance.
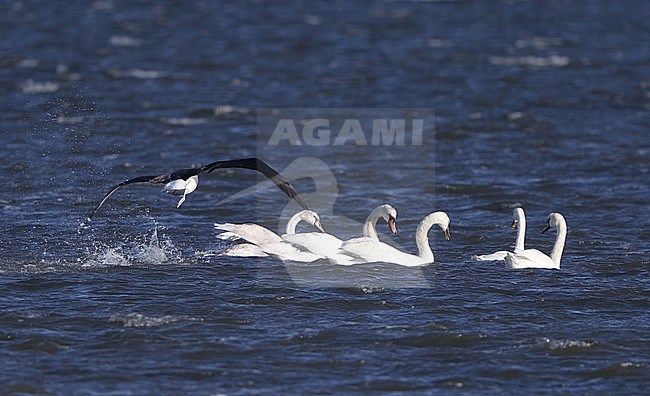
(108, 258)
(539, 42)
(531, 61)
(32, 87)
(229, 111)
(183, 121)
(124, 41)
(69, 120)
(565, 344)
(28, 63)
(440, 43)
(136, 73)
(138, 320)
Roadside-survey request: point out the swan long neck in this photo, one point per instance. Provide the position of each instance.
(422, 234)
(560, 239)
(422, 240)
(293, 223)
(370, 226)
(521, 231)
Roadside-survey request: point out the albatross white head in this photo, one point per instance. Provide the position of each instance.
(181, 186)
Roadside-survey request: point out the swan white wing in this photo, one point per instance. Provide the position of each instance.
(244, 250)
(529, 258)
(325, 245)
(362, 248)
(279, 248)
(374, 251)
(253, 233)
(301, 257)
(286, 251)
(282, 250)
(315, 242)
(496, 256)
(344, 258)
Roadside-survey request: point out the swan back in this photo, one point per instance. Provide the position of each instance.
(315, 242)
(251, 232)
(529, 258)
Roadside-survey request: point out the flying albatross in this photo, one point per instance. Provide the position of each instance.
(185, 181)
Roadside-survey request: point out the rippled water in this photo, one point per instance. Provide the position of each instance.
(540, 105)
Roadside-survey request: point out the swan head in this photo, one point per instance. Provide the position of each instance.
(443, 222)
(312, 218)
(389, 214)
(439, 218)
(517, 215)
(554, 221)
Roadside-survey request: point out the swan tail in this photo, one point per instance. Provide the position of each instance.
(496, 256)
(229, 236)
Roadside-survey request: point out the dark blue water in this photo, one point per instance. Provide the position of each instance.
(544, 105)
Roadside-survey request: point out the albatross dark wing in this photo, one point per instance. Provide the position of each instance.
(160, 179)
(184, 174)
(257, 164)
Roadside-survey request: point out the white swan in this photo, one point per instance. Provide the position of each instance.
(374, 251)
(263, 242)
(533, 258)
(518, 221)
(329, 246)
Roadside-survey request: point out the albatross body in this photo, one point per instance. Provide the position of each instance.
(185, 181)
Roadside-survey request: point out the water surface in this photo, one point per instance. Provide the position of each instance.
(540, 105)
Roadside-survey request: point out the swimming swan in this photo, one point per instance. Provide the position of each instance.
(518, 221)
(263, 242)
(330, 246)
(375, 251)
(533, 258)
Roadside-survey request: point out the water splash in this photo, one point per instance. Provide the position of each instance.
(154, 251)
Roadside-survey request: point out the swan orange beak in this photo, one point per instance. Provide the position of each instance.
(447, 234)
(514, 224)
(392, 225)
